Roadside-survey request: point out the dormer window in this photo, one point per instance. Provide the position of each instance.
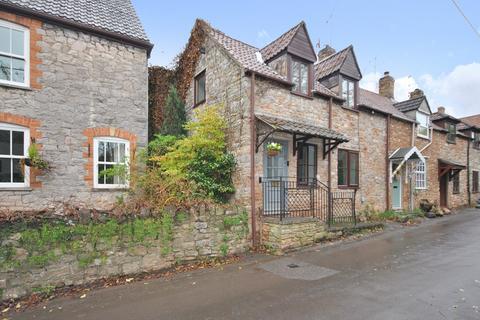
(452, 132)
(300, 77)
(348, 92)
(423, 125)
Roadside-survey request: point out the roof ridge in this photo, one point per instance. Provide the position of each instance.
(226, 35)
(409, 100)
(276, 39)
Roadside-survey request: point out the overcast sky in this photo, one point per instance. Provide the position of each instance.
(425, 44)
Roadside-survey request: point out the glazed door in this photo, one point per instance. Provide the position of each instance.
(275, 180)
(397, 192)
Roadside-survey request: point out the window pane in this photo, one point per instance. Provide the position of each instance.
(17, 143)
(101, 177)
(200, 87)
(101, 151)
(5, 69)
(351, 88)
(296, 75)
(4, 142)
(342, 168)
(122, 152)
(109, 179)
(353, 169)
(5, 170)
(303, 78)
(18, 71)
(17, 42)
(4, 40)
(110, 151)
(17, 171)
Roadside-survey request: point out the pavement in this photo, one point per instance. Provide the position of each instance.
(431, 271)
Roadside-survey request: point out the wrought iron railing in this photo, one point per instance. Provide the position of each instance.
(290, 197)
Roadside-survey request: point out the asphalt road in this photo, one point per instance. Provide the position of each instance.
(426, 272)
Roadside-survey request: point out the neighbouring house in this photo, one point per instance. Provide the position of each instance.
(342, 148)
(73, 86)
(470, 126)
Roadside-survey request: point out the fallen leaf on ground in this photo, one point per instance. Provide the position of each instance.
(83, 296)
(128, 280)
(5, 310)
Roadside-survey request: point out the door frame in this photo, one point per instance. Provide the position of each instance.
(276, 192)
(400, 177)
(443, 189)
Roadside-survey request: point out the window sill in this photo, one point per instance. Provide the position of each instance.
(423, 137)
(15, 86)
(301, 95)
(109, 189)
(16, 189)
(197, 104)
(349, 187)
(350, 109)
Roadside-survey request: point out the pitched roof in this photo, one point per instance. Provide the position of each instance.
(115, 16)
(380, 103)
(331, 63)
(291, 126)
(250, 58)
(472, 120)
(279, 44)
(440, 116)
(409, 105)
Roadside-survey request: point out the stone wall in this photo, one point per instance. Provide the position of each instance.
(279, 237)
(200, 234)
(83, 82)
(474, 166)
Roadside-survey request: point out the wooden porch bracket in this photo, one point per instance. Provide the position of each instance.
(262, 139)
(329, 147)
(296, 140)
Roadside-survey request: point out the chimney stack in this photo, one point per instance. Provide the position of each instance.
(441, 110)
(417, 93)
(325, 52)
(386, 86)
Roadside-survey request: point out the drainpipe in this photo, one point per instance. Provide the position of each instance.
(468, 174)
(330, 116)
(431, 141)
(387, 164)
(253, 142)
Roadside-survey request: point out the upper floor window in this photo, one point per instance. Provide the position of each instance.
(300, 77)
(348, 168)
(452, 132)
(14, 54)
(348, 92)
(14, 141)
(111, 162)
(423, 125)
(476, 140)
(200, 88)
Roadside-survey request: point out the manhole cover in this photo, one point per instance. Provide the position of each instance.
(294, 269)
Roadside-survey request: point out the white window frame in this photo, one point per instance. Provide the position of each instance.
(96, 142)
(350, 84)
(421, 126)
(26, 144)
(26, 53)
(421, 176)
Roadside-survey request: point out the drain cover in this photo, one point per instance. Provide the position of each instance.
(294, 269)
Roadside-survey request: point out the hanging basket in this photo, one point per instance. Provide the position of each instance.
(273, 153)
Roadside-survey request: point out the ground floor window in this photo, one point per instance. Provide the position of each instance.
(421, 175)
(348, 168)
(14, 141)
(456, 183)
(306, 163)
(475, 185)
(111, 162)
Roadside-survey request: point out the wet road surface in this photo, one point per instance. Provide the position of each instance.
(426, 272)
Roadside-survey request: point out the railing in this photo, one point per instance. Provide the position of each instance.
(288, 197)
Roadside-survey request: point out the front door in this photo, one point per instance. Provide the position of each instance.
(444, 190)
(275, 180)
(397, 192)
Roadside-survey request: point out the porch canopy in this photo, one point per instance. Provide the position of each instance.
(447, 166)
(402, 156)
(301, 132)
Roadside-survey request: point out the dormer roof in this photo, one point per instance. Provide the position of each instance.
(343, 62)
(411, 104)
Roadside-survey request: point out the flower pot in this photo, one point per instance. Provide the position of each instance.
(273, 153)
(27, 162)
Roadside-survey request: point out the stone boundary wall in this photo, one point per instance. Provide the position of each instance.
(199, 234)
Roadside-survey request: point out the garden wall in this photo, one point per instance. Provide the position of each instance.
(35, 259)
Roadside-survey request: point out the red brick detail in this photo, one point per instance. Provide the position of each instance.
(35, 134)
(91, 133)
(35, 37)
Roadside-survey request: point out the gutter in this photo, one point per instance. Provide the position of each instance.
(252, 160)
(80, 26)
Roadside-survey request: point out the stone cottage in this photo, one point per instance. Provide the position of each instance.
(342, 147)
(73, 86)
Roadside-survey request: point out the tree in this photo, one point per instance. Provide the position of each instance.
(174, 118)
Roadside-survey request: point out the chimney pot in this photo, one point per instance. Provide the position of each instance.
(386, 86)
(325, 52)
(441, 110)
